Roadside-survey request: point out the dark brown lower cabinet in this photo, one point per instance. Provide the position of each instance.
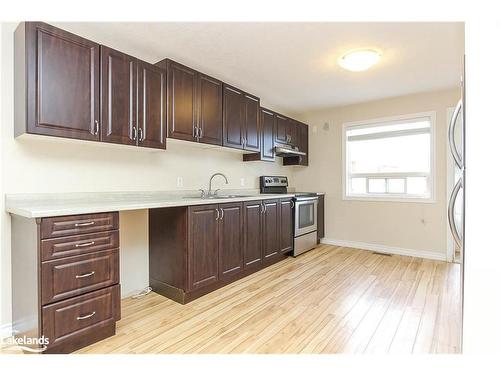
(195, 250)
(203, 248)
(252, 233)
(286, 225)
(321, 217)
(270, 228)
(230, 239)
(65, 279)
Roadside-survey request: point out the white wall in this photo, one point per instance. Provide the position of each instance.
(44, 165)
(404, 226)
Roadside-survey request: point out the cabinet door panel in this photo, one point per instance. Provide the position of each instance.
(210, 110)
(234, 117)
(303, 144)
(321, 217)
(119, 95)
(230, 239)
(271, 228)
(203, 249)
(252, 124)
(252, 220)
(281, 129)
(62, 83)
(152, 106)
(286, 225)
(182, 102)
(292, 131)
(268, 124)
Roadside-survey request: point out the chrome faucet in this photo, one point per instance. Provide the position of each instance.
(210, 184)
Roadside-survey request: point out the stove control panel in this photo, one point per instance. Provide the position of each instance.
(268, 181)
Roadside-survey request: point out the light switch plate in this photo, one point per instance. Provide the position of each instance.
(242, 181)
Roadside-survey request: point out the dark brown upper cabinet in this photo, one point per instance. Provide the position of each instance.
(56, 83)
(252, 132)
(152, 106)
(268, 130)
(119, 97)
(286, 130)
(209, 105)
(133, 105)
(181, 102)
(194, 104)
(293, 127)
(303, 145)
(241, 125)
(281, 129)
(268, 126)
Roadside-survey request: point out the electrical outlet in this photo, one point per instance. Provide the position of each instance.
(314, 129)
(242, 181)
(180, 182)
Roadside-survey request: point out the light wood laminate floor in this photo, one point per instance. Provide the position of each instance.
(329, 300)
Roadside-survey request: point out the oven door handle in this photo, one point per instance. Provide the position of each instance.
(302, 199)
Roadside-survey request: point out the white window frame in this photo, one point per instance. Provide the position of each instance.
(386, 197)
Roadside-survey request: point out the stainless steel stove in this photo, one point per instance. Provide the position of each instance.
(305, 212)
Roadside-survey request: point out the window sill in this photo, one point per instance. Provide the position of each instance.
(390, 199)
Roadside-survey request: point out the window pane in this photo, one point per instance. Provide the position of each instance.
(358, 185)
(396, 185)
(392, 155)
(397, 126)
(416, 185)
(376, 185)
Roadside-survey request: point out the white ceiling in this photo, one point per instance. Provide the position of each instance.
(292, 66)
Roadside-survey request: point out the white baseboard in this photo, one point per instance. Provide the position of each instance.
(386, 249)
(5, 331)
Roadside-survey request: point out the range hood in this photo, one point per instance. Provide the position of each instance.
(286, 151)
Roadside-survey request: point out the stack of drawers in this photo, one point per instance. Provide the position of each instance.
(79, 279)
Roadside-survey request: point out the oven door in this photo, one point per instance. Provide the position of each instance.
(305, 215)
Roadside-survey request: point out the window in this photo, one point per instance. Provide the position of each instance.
(390, 159)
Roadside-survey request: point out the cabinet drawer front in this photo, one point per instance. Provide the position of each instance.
(77, 224)
(76, 245)
(67, 320)
(73, 276)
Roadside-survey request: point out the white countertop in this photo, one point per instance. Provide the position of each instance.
(46, 205)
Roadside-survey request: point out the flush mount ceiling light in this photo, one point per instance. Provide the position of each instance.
(359, 60)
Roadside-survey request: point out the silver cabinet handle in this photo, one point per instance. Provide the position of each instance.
(196, 132)
(96, 123)
(217, 217)
(261, 208)
(293, 204)
(134, 133)
(85, 244)
(86, 316)
(200, 132)
(451, 135)
(82, 276)
(451, 216)
(84, 224)
(221, 213)
(141, 135)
